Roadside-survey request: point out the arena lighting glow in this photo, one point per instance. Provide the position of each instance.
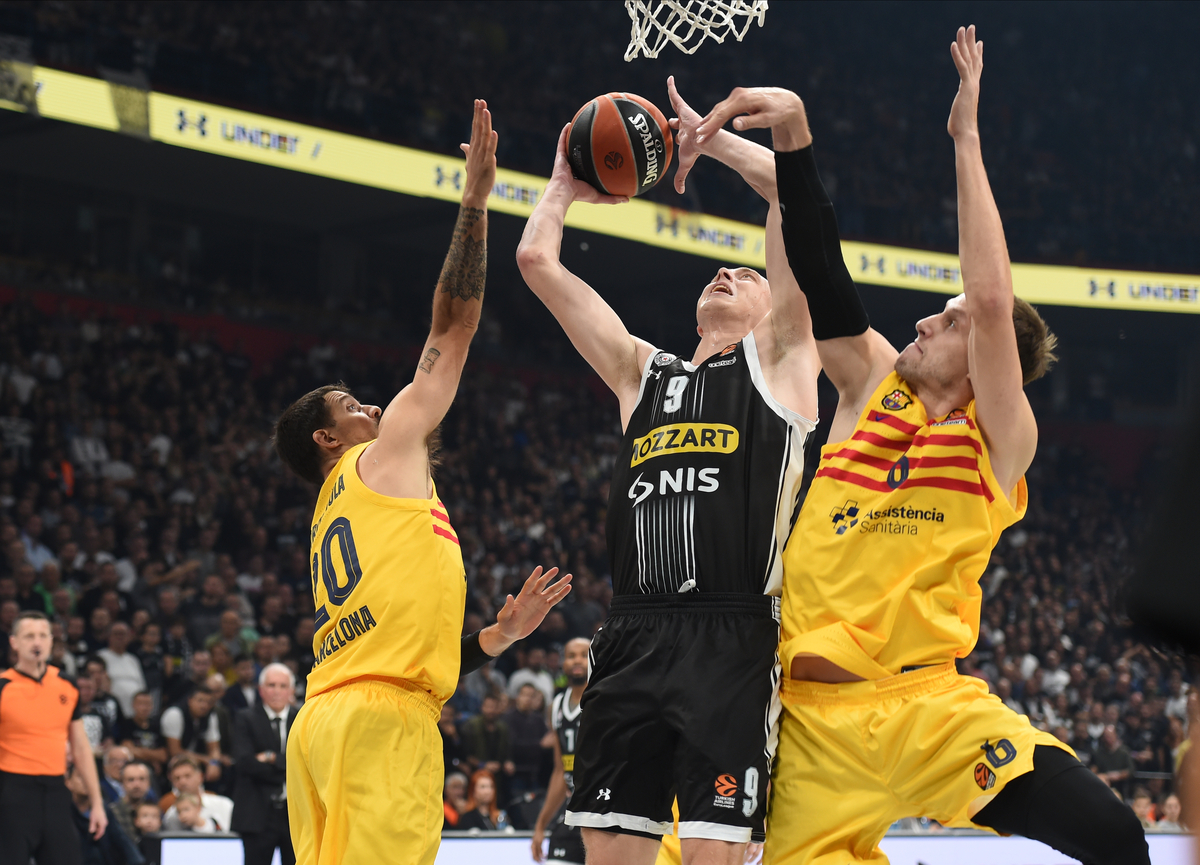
(312, 150)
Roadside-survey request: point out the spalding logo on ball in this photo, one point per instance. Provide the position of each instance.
(620, 143)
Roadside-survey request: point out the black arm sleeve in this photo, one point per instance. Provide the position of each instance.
(810, 235)
(473, 656)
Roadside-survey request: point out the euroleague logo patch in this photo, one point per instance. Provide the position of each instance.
(984, 777)
(897, 400)
(727, 788)
(614, 160)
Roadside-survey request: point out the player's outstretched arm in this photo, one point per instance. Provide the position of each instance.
(789, 324)
(457, 301)
(556, 795)
(855, 357)
(591, 324)
(1004, 413)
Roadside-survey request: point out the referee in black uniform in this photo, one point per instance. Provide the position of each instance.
(39, 714)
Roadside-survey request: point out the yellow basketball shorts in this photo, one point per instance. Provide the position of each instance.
(364, 779)
(855, 758)
(669, 852)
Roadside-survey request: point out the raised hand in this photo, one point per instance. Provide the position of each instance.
(521, 615)
(581, 190)
(481, 158)
(685, 122)
(968, 57)
(772, 108)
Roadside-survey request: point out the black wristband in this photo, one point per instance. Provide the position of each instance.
(472, 656)
(814, 249)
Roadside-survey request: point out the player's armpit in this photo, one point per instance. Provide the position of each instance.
(855, 366)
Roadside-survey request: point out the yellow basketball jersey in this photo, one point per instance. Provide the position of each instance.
(882, 571)
(388, 585)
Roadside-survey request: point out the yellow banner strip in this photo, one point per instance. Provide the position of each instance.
(310, 149)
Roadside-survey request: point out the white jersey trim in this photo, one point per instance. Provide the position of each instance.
(760, 382)
(713, 831)
(626, 821)
(791, 471)
(655, 352)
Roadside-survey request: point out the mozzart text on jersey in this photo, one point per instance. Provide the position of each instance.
(685, 438)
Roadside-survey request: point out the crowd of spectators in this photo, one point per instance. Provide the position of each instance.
(143, 509)
(1076, 180)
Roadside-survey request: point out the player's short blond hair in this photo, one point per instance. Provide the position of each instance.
(1035, 342)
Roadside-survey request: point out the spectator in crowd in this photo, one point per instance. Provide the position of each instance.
(124, 668)
(1004, 692)
(243, 693)
(190, 815)
(190, 678)
(1143, 807)
(482, 812)
(452, 747)
(454, 799)
(187, 778)
(150, 655)
(103, 702)
(216, 687)
(205, 612)
(148, 822)
(191, 728)
(141, 732)
(115, 759)
(260, 750)
(1054, 678)
(1113, 762)
(114, 847)
(534, 673)
(27, 595)
(487, 741)
(135, 779)
(237, 640)
(526, 722)
(1171, 818)
(93, 723)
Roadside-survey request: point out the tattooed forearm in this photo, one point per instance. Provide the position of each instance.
(466, 263)
(427, 362)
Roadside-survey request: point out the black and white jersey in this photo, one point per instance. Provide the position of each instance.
(565, 721)
(706, 483)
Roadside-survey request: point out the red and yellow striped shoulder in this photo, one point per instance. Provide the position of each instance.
(895, 445)
(441, 522)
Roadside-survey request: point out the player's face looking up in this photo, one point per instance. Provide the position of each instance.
(575, 660)
(353, 422)
(736, 299)
(938, 356)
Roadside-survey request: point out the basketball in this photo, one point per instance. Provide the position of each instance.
(620, 143)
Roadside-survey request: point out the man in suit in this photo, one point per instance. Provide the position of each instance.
(242, 694)
(259, 751)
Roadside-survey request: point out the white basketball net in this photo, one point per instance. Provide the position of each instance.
(687, 23)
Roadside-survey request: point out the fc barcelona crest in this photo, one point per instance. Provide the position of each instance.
(897, 400)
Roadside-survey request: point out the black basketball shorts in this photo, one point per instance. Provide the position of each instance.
(566, 846)
(682, 703)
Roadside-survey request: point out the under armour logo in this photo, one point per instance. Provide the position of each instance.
(604, 793)
(454, 178)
